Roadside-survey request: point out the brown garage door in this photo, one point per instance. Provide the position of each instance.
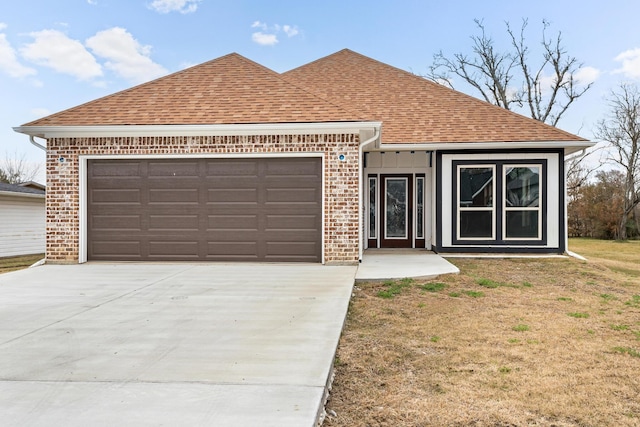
(205, 209)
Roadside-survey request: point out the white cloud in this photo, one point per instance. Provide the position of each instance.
(3, 26)
(264, 39)
(261, 25)
(53, 49)
(290, 31)
(125, 55)
(630, 63)
(268, 36)
(586, 75)
(9, 61)
(182, 6)
(93, 2)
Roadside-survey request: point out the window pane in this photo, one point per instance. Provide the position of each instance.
(522, 184)
(522, 224)
(396, 218)
(372, 208)
(476, 187)
(476, 224)
(419, 208)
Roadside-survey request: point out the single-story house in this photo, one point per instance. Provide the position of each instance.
(231, 161)
(22, 219)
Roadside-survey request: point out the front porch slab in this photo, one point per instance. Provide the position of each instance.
(385, 264)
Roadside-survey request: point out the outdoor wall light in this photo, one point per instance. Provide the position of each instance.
(342, 157)
(61, 159)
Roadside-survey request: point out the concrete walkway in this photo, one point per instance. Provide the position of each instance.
(169, 344)
(384, 264)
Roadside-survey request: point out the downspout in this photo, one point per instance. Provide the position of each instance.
(33, 141)
(375, 136)
(580, 153)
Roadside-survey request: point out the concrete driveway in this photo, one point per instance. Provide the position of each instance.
(169, 344)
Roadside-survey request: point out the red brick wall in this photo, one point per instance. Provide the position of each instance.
(341, 181)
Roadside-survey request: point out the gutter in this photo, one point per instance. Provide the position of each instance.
(571, 146)
(376, 135)
(16, 194)
(241, 129)
(33, 141)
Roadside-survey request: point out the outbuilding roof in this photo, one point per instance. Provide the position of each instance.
(19, 189)
(342, 87)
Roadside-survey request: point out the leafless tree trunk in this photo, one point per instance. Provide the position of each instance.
(547, 89)
(622, 131)
(14, 169)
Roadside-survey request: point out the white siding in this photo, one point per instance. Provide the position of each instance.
(22, 225)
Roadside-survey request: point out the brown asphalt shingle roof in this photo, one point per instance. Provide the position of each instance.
(413, 109)
(342, 87)
(227, 90)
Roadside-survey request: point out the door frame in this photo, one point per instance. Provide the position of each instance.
(374, 229)
(397, 242)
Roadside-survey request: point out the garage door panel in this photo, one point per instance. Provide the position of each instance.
(126, 249)
(236, 250)
(173, 169)
(116, 222)
(172, 248)
(174, 195)
(292, 222)
(232, 222)
(235, 168)
(216, 196)
(114, 196)
(283, 248)
(233, 235)
(232, 209)
(174, 222)
(121, 169)
(292, 195)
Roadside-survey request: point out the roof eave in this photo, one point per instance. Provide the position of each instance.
(568, 146)
(18, 194)
(48, 132)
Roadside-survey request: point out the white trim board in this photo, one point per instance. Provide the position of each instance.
(83, 196)
(196, 130)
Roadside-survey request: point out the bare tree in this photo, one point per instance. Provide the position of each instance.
(15, 169)
(622, 131)
(509, 79)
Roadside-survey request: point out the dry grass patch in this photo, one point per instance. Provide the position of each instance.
(497, 345)
(19, 262)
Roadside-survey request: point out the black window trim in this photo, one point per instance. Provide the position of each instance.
(499, 240)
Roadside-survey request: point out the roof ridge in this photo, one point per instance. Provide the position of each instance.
(317, 95)
(291, 83)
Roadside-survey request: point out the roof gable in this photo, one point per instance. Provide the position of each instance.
(227, 90)
(412, 108)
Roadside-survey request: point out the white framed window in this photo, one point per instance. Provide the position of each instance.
(476, 210)
(419, 207)
(373, 198)
(522, 201)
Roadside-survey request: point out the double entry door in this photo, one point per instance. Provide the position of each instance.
(396, 211)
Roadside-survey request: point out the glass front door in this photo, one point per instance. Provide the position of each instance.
(397, 206)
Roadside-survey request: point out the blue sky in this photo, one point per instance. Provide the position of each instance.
(58, 54)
